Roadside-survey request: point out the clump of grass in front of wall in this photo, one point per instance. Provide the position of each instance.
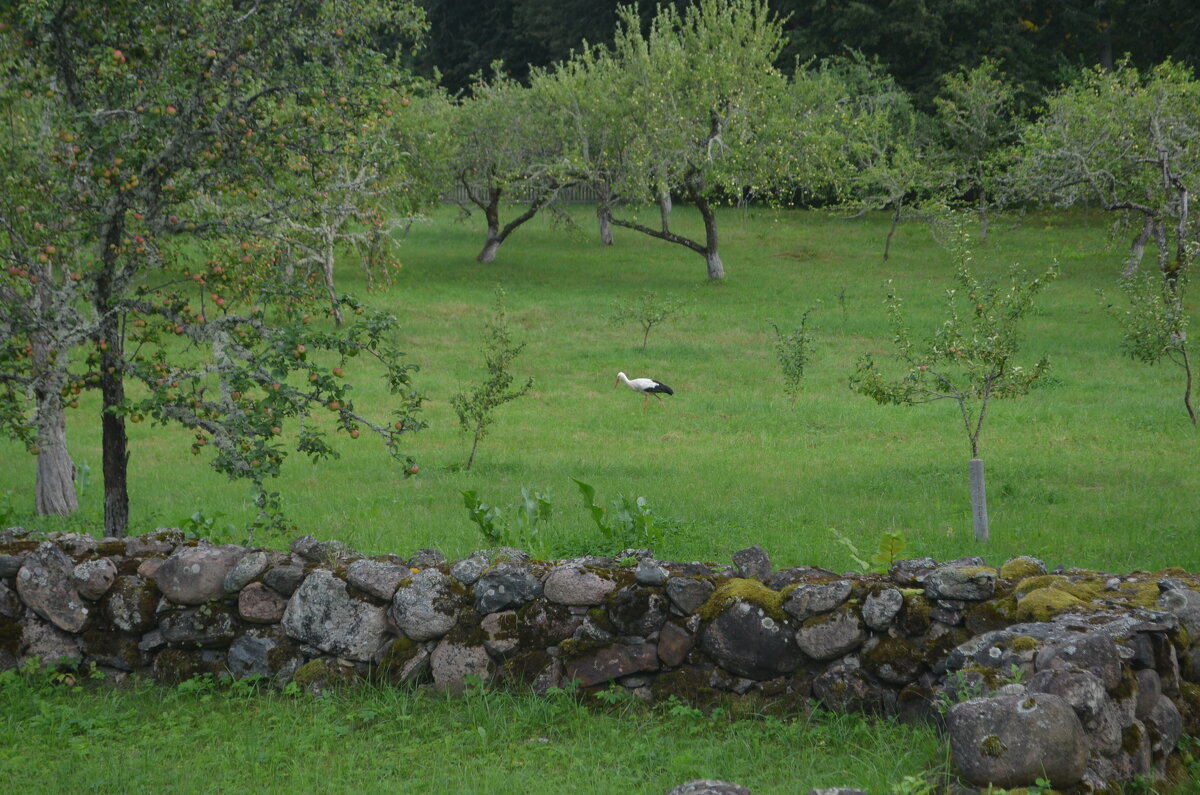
(629, 523)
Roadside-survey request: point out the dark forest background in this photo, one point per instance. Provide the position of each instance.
(1038, 43)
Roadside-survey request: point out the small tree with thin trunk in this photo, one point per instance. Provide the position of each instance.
(970, 360)
(475, 409)
(1154, 325)
(648, 311)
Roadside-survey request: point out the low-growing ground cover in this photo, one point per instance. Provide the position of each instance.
(198, 737)
(1095, 469)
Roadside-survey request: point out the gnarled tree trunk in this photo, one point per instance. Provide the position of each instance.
(55, 489)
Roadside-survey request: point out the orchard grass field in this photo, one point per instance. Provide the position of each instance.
(1096, 468)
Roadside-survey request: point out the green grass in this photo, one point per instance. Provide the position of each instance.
(197, 738)
(1095, 471)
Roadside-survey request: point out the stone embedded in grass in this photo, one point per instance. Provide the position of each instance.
(194, 575)
(321, 613)
(451, 663)
(1010, 741)
(209, 626)
(46, 583)
(248, 656)
(43, 640)
(612, 662)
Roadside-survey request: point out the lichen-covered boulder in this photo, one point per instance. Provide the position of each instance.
(10, 604)
(1011, 741)
(846, 687)
(284, 579)
(829, 636)
(161, 542)
(194, 575)
(46, 584)
(688, 593)
(505, 586)
(424, 607)
(376, 578)
(47, 642)
(209, 626)
(969, 583)
(322, 613)
(451, 663)
(746, 640)
(637, 611)
(1082, 689)
(574, 584)
(248, 656)
(752, 562)
(130, 604)
(259, 604)
(470, 569)
(1092, 651)
(246, 571)
(880, 608)
(93, 578)
(812, 599)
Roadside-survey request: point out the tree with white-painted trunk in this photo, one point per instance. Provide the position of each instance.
(970, 359)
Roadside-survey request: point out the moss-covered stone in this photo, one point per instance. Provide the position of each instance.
(320, 676)
(1020, 568)
(746, 590)
(1043, 604)
(992, 746)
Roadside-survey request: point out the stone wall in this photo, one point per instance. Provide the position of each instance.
(1082, 678)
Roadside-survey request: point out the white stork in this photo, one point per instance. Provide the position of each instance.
(647, 386)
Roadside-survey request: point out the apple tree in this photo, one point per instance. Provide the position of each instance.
(156, 147)
(1130, 142)
(970, 360)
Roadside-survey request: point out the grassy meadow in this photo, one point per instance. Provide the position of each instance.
(1094, 470)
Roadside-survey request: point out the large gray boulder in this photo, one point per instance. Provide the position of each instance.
(969, 583)
(576, 585)
(322, 613)
(744, 640)
(812, 599)
(506, 586)
(93, 578)
(130, 603)
(46, 584)
(830, 636)
(195, 575)
(424, 607)
(376, 578)
(1012, 741)
(451, 663)
(209, 626)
